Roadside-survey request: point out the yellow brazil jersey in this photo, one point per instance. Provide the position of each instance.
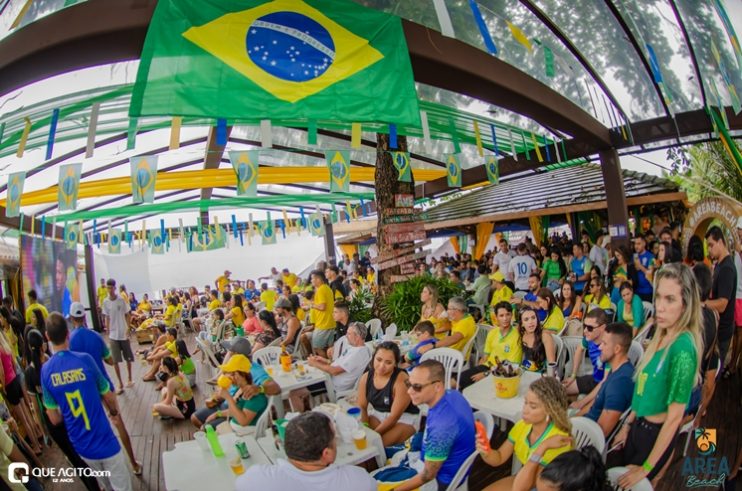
(221, 283)
(144, 306)
(268, 297)
(289, 280)
(301, 314)
(170, 345)
(31, 308)
(505, 347)
(555, 320)
(522, 449)
(604, 303)
(238, 316)
(437, 323)
(125, 296)
(102, 294)
(169, 312)
(467, 327)
(504, 294)
(323, 318)
(214, 304)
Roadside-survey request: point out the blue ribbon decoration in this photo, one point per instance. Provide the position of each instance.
(488, 41)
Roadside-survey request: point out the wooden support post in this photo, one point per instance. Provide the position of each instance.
(329, 242)
(618, 215)
(92, 289)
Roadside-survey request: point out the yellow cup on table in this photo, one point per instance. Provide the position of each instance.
(237, 466)
(359, 438)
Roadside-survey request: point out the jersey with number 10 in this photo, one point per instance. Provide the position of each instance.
(72, 383)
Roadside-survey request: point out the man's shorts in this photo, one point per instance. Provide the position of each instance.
(586, 383)
(323, 338)
(119, 347)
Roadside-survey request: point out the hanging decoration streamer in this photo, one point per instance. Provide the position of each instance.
(92, 128)
(131, 134)
(266, 133)
(401, 161)
(246, 169)
(312, 132)
(453, 166)
(114, 241)
(427, 141)
(52, 133)
(15, 191)
(493, 169)
(393, 137)
(520, 36)
(444, 19)
(355, 135)
(175, 132)
(493, 129)
(482, 26)
(548, 62)
(478, 139)
(143, 178)
(69, 184)
(24, 138)
(338, 162)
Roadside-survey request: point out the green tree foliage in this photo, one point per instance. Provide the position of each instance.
(705, 170)
(402, 304)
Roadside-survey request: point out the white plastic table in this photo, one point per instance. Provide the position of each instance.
(347, 453)
(189, 467)
(481, 396)
(289, 381)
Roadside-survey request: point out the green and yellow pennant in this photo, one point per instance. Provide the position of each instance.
(401, 161)
(338, 163)
(15, 191)
(245, 165)
(493, 169)
(69, 186)
(280, 59)
(453, 168)
(114, 241)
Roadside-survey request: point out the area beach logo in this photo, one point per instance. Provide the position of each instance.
(706, 470)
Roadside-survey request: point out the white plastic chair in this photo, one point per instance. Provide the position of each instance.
(258, 431)
(206, 349)
(641, 336)
(468, 347)
(616, 472)
(487, 420)
(452, 360)
(269, 355)
(460, 481)
(570, 345)
(617, 428)
(648, 311)
(635, 353)
(480, 338)
(338, 347)
(560, 358)
(374, 327)
(586, 432)
(391, 332)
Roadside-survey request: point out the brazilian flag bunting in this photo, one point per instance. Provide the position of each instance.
(401, 161)
(278, 60)
(338, 162)
(493, 169)
(316, 225)
(15, 191)
(245, 165)
(114, 241)
(453, 166)
(69, 185)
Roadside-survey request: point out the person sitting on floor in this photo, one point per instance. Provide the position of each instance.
(311, 449)
(177, 396)
(383, 399)
(503, 343)
(156, 355)
(424, 333)
(537, 439)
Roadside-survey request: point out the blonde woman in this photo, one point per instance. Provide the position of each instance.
(537, 439)
(665, 377)
(433, 311)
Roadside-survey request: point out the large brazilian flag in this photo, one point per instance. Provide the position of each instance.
(278, 60)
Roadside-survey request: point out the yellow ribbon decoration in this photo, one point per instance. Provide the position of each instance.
(24, 138)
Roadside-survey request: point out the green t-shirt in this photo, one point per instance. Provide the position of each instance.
(256, 404)
(667, 378)
(552, 271)
(188, 367)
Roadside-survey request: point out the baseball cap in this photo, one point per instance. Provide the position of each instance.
(226, 271)
(283, 303)
(238, 344)
(77, 310)
(237, 363)
(497, 276)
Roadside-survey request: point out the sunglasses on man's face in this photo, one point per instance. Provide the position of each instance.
(589, 327)
(418, 387)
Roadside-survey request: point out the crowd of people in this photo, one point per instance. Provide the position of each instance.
(686, 314)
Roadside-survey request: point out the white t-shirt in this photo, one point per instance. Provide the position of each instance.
(116, 311)
(521, 268)
(283, 475)
(354, 360)
(502, 259)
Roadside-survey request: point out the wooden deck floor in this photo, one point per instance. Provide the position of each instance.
(150, 436)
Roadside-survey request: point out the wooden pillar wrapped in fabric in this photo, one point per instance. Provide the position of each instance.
(618, 214)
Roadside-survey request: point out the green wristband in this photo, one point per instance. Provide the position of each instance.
(647, 466)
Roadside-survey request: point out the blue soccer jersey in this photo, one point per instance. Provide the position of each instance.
(83, 340)
(72, 383)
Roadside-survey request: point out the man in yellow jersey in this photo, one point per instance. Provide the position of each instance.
(463, 326)
(222, 281)
(102, 292)
(33, 304)
(501, 292)
(321, 309)
(289, 278)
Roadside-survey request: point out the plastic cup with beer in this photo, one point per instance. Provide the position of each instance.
(224, 382)
(269, 369)
(200, 438)
(237, 466)
(359, 438)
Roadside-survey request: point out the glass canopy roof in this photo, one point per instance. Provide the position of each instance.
(601, 62)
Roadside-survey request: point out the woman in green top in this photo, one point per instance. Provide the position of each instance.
(553, 270)
(186, 362)
(630, 308)
(242, 411)
(665, 377)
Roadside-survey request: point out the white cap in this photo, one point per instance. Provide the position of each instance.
(77, 310)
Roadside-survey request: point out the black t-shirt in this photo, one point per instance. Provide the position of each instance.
(725, 286)
(710, 360)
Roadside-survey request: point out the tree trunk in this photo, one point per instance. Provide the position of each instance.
(387, 185)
